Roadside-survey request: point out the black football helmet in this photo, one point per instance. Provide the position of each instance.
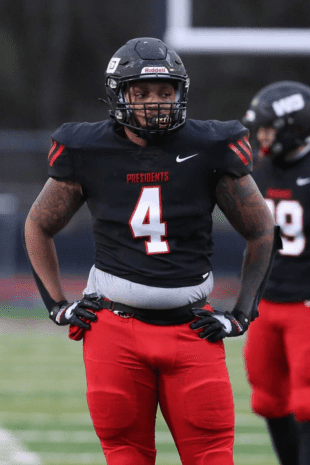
(284, 106)
(139, 60)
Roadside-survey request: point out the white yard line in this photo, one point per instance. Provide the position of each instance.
(13, 453)
(94, 458)
(242, 419)
(58, 436)
(38, 418)
(73, 458)
(77, 459)
(249, 419)
(162, 437)
(255, 459)
(171, 458)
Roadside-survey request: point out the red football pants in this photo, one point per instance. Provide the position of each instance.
(132, 366)
(277, 356)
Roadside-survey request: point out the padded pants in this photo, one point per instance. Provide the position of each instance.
(132, 366)
(277, 356)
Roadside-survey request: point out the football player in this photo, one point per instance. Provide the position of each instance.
(151, 180)
(278, 344)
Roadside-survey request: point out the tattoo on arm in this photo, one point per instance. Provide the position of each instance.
(243, 205)
(245, 208)
(56, 205)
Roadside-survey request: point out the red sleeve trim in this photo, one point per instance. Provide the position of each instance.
(54, 145)
(246, 149)
(246, 140)
(244, 160)
(56, 155)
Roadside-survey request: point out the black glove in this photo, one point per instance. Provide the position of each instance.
(220, 324)
(65, 313)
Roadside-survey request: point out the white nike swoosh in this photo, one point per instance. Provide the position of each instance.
(302, 181)
(179, 160)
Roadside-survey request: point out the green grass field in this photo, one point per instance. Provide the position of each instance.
(43, 403)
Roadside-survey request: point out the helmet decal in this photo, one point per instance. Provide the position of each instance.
(250, 115)
(113, 64)
(288, 104)
(154, 70)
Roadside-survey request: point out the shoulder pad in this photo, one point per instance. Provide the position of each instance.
(82, 135)
(236, 130)
(214, 131)
(238, 157)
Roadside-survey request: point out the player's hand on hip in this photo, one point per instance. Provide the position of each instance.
(218, 325)
(65, 313)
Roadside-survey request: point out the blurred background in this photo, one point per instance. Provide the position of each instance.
(53, 55)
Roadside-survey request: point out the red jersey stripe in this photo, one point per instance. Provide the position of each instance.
(246, 140)
(274, 193)
(52, 149)
(56, 155)
(245, 148)
(240, 154)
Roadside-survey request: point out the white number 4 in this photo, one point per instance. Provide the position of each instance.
(146, 221)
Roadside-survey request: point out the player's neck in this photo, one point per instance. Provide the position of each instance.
(134, 138)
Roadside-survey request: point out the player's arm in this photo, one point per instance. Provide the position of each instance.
(246, 210)
(52, 210)
(243, 205)
(50, 213)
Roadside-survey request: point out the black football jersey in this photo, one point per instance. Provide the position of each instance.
(151, 207)
(286, 188)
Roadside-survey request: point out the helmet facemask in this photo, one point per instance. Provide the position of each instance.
(150, 119)
(286, 139)
(289, 137)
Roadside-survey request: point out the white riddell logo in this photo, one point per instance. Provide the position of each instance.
(302, 181)
(179, 160)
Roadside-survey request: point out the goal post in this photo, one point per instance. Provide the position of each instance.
(184, 38)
